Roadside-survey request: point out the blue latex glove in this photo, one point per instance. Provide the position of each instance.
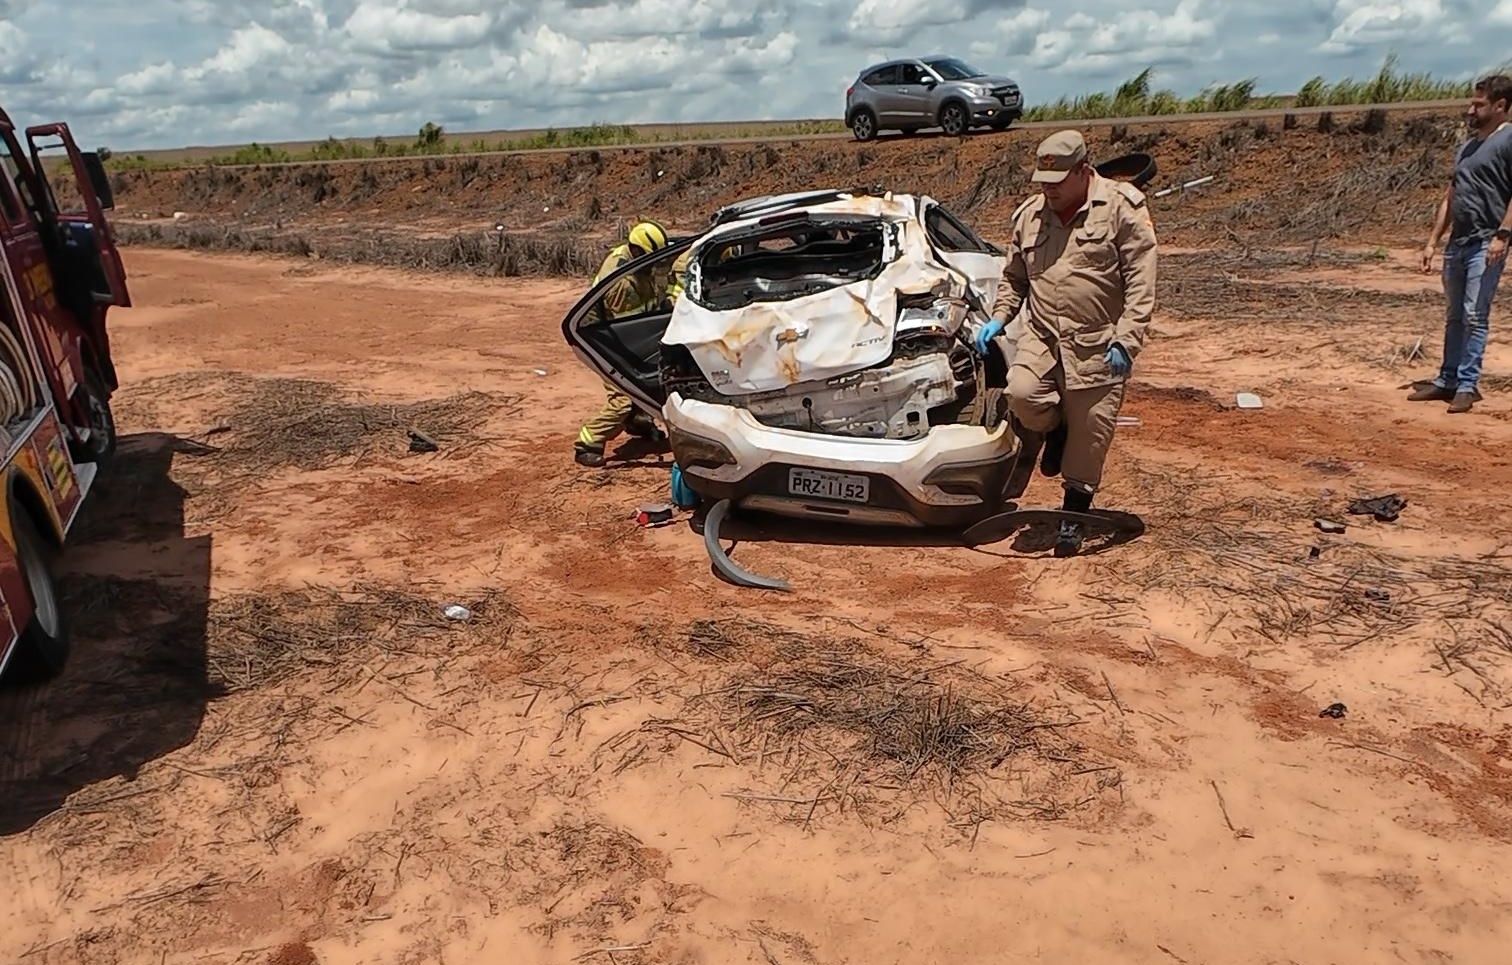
(1118, 360)
(986, 334)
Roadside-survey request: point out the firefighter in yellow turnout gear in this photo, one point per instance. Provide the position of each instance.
(640, 292)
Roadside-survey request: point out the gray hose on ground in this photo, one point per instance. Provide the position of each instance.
(727, 567)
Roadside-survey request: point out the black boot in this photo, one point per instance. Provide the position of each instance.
(643, 426)
(1068, 542)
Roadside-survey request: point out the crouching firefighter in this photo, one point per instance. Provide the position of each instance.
(1082, 270)
(642, 291)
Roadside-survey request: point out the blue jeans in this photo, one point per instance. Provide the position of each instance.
(1469, 285)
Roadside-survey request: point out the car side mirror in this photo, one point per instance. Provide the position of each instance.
(98, 179)
(930, 82)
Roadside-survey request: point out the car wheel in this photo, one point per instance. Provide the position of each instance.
(102, 428)
(864, 125)
(1002, 122)
(42, 650)
(953, 119)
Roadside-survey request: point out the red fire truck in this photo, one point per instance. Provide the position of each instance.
(59, 274)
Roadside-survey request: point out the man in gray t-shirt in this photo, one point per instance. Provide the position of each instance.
(1477, 210)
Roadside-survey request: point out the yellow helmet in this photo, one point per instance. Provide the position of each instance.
(648, 236)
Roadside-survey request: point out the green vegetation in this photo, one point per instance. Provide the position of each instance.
(1133, 98)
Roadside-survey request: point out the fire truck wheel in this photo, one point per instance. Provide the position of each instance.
(42, 650)
(102, 428)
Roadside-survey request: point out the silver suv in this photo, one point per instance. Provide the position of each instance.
(911, 94)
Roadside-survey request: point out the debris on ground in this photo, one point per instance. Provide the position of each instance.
(654, 514)
(1385, 509)
(1336, 711)
(1248, 400)
(1329, 526)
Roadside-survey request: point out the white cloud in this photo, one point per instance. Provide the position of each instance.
(152, 73)
(19, 63)
(380, 27)
(891, 20)
(1083, 44)
(1365, 23)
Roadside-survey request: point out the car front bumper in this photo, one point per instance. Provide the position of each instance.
(953, 476)
(988, 108)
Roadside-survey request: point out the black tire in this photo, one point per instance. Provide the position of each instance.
(1003, 121)
(863, 125)
(101, 447)
(994, 407)
(1138, 169)
(42, 650)
(955, 119)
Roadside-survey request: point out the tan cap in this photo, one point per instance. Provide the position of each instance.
(1057, 155)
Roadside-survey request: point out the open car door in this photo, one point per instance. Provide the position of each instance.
(624, 347)
(88, 247)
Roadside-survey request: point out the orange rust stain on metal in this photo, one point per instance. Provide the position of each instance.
(787, 362)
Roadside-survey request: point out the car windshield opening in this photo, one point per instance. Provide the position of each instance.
(952, 69)
(779, 262)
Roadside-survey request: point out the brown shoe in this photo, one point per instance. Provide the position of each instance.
(1462, 402)
(1430, 393)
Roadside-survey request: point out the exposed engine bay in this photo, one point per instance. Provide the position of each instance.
(932, 377)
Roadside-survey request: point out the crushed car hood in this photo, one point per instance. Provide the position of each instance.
(767, 346)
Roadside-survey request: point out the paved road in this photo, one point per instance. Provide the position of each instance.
(1277, 113)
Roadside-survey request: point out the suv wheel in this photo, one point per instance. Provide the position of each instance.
(953, 118)
(864, 125)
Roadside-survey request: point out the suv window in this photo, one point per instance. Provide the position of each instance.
(911, 74)
(789, 260)
(11, 175)
(948, 232)
(882, 77)
(953, 69)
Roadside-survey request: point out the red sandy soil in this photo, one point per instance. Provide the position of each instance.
(565, 777)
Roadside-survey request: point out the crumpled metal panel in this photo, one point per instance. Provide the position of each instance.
(769, 345)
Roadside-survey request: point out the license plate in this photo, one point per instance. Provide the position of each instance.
(829, 485)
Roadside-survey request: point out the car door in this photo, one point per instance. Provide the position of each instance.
(963, 249)
(624, 348)
(913, 97)
(83, 230)
(884, 83)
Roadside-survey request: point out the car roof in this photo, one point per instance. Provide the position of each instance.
(889, 63)
(774, 203)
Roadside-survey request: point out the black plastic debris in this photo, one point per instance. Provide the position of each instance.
(1314, 552)
(1380, 596)
(420, 442)
(1385, 509)
(1336, 711)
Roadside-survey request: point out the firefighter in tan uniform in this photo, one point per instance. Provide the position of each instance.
(639, 292)
(1082, 268)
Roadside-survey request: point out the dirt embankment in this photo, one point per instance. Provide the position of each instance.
(1341, 177)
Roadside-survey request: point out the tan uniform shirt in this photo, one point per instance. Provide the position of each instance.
(1089, 283)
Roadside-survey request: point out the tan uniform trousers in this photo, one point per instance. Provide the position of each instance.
(1090, 416)
(609, 421)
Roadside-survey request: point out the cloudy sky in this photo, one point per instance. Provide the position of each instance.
(165, 73)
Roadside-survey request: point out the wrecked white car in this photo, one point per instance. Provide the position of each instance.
(819, 361)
